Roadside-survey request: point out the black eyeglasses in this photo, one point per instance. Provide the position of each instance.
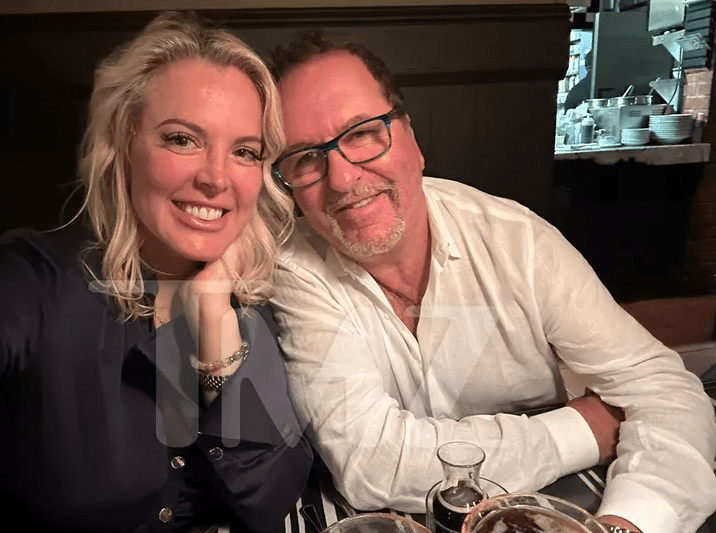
(361, 143)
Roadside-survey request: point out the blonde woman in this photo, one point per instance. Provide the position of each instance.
(143, 387)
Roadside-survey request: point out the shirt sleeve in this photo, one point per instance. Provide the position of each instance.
(251, 434)
(578, 448)
(29, 282)
(662, 479)
(268, 457)
(380, 454)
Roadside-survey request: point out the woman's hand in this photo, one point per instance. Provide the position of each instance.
(206, 298)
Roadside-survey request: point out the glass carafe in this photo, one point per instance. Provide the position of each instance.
(451, 499)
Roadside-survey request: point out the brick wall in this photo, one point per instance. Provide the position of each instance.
(699, 273)
(697, 92)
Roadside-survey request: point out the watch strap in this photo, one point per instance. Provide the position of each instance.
(616, 529)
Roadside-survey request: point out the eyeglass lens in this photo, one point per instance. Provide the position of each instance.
(357, 145)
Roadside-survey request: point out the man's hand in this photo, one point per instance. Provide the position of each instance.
(604, 421)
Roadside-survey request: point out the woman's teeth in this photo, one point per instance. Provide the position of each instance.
(202, 213)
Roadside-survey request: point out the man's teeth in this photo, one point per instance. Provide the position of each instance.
(202, 213)
(362, 203)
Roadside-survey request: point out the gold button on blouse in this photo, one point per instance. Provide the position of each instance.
(216, 453)
(165, 514)
(178, 462)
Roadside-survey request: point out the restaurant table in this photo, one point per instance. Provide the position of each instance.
(321, 505)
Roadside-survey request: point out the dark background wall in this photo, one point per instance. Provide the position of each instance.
(480, 84)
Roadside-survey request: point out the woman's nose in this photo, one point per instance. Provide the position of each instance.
(341, 174)
(212, 177)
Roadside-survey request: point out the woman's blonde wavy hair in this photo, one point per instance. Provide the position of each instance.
(120, 88)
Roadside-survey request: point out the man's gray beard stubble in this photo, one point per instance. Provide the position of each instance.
(365, 250)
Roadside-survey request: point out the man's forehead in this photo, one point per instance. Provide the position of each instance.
(326, 95)
(335, 72)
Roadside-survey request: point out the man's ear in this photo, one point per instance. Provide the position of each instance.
(409, 129)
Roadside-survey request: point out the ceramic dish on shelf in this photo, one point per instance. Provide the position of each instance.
(635, 136)
(608, 141)
(671, 129)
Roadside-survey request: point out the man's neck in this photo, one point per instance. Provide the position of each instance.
(403, 274)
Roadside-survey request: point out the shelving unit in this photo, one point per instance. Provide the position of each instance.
(572, 76)
(673, 154)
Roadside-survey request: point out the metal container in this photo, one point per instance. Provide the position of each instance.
(614, 119)
(622, 101)
(597, 102)
(643, 99)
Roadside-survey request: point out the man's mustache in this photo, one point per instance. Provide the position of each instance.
(357, 194)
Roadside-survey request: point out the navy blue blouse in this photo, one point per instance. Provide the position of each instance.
(102, 424)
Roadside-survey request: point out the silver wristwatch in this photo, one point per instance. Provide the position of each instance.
(617, 529)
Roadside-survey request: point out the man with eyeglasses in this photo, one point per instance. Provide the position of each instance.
(414, 311)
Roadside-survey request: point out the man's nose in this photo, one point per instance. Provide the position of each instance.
(341, 175)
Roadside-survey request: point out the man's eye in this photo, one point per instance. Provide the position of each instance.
(308, 159)
(363, 135)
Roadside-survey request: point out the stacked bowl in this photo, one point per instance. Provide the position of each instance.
(671, 129)
(635, 136)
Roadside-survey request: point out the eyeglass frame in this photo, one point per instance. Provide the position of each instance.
(333, 145)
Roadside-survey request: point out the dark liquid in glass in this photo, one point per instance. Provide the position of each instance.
(451, 506)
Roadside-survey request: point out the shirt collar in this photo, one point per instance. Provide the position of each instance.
(443, 244)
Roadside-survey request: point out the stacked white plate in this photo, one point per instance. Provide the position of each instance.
(635, 136)
(671, 129)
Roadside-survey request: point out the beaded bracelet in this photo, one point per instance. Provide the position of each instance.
(238, 355)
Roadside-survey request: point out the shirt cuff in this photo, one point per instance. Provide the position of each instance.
(643, 507)
(577, 446)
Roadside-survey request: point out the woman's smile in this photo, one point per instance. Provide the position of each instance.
(196, 165)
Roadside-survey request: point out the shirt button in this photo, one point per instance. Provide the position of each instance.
(165, 514)
(216, 453)
(178, 462)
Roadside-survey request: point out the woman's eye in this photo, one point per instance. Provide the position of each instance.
(179, 140)
(248, 155)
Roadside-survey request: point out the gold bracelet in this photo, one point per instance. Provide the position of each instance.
(238, 355)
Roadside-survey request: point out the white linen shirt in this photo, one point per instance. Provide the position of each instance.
(507, 297)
